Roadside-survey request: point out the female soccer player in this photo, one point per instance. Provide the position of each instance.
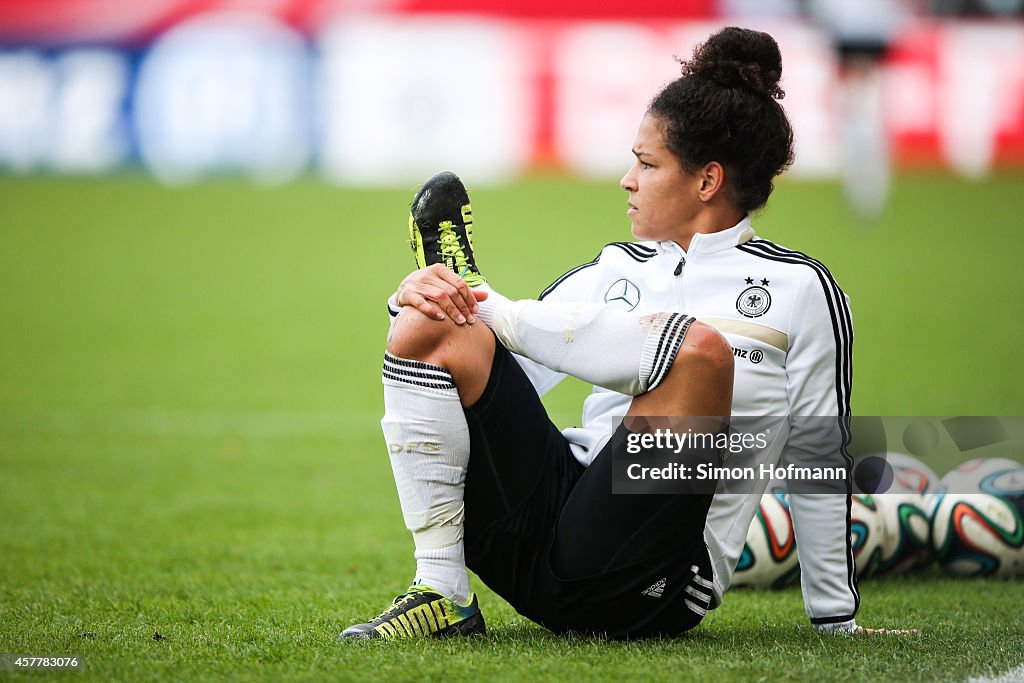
(701, 319)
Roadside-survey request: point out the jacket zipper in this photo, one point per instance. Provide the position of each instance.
(678, 272)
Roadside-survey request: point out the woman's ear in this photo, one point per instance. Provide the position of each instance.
(712, 180)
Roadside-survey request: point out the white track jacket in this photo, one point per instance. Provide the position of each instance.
(791, 331)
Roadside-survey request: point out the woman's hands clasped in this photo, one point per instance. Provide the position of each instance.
(437, 292)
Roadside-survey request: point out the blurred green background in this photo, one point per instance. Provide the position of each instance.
(123, 295)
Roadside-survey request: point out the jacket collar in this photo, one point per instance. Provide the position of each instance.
(707, 243)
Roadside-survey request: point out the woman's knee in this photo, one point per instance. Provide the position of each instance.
(466, 351)
(706, 347)
(416, 336)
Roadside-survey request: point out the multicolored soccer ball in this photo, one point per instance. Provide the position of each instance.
(905, 512)
(866, 534)
(910, 475)
(976, 534)
(769, 556)
(978, 521)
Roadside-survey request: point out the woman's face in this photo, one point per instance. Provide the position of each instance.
(663, 198)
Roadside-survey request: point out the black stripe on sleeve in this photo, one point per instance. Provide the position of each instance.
(842, 329)
(565, 276)
(638, 252)
(663, 364)
(674, 320)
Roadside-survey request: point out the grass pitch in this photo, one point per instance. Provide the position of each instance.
(192, 483)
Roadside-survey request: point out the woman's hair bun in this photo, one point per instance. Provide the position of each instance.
(739, 58)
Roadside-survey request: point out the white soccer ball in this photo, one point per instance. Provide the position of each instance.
(866, 534)
(906, 515)
(769, 555)
(976, 523)
(910, 475)
(994, 476)
(979, 535)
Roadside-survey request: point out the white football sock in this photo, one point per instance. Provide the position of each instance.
(599, 344)
(428, 440)
(444, 570)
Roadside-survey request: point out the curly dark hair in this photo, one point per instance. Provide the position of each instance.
(725, 108)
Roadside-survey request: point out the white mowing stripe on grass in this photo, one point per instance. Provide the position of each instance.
(1011, 676)
(165, 423)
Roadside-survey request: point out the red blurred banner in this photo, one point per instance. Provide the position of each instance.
(361, 90)
(129, 21)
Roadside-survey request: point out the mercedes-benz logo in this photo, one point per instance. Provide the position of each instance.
(624, 293)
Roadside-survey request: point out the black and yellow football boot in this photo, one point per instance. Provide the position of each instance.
(441, 227)
(421, 613)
